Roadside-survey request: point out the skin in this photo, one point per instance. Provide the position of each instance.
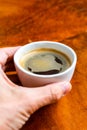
(15, 112)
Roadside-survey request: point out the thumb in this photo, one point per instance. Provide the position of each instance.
(41, 96)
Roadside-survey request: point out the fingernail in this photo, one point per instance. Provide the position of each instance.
(66, 87)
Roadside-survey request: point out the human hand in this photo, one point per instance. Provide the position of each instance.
(17, 103)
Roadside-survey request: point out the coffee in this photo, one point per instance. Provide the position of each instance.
(45, 61)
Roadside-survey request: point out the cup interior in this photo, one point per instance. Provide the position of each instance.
(45, 44)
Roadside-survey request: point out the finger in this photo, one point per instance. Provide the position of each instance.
(7, 53)
(5, 80)
(42, 96)
(53, 92)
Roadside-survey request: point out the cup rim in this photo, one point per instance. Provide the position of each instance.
(45, 76)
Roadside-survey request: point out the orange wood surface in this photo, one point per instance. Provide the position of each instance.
(23, 21)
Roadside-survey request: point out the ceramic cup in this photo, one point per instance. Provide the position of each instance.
(29, 79)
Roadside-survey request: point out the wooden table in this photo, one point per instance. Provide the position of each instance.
(24, 21)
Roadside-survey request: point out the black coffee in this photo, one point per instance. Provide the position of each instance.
(45, 61)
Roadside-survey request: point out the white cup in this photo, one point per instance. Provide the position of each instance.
(29, 79)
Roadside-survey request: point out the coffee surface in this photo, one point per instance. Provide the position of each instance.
(45, 61)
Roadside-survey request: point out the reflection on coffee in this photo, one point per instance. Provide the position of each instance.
(45, 61)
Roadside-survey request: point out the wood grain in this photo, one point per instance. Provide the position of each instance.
(56, 20)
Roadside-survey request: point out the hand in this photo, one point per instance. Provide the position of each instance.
(17, 103)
